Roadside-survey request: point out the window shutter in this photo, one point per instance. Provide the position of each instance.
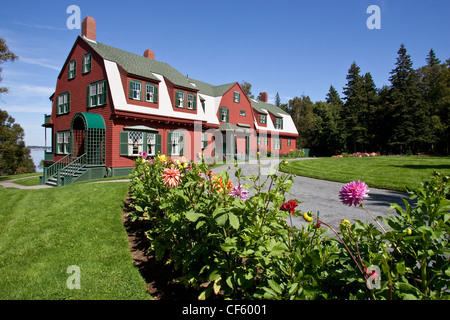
(105, 92)
(130, 90)
(169, 143)
(157, 144)
(181, 144)
(155, 94)
(68, 102)
(88, 100)
(195, 102)
(228, 114)
(123, 143)
(205, 140)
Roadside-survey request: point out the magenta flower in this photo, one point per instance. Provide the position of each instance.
(354, 193)
(239, 192)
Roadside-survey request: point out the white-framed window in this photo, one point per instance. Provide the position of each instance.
(63, 103)
(135, 143)
(236, 97)
(72, 69)
(276, 143)
(97, 93)
(179, 99)
(175, 143)
(151, 144)
(262, 118)
(279, 123)
(62, 142)
(150, 93)
(191, 102)
(224, 114)
(135, 90)
(288, 142)
(87, 62)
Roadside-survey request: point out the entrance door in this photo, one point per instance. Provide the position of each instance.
(78, 137)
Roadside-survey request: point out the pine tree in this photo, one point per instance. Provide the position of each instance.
(277, 100)
(412, 127)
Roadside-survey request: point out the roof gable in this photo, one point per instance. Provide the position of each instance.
(140, 65)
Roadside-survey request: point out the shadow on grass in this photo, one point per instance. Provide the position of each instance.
(423, 166)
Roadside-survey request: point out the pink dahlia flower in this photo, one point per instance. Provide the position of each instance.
(171, 177)
(239, 192)
(354, 193)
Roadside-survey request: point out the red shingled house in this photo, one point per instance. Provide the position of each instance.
(109, 105)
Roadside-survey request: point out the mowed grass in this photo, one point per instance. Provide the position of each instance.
(45, 231)
(386, 172)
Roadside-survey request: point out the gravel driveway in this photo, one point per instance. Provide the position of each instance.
(321, 195)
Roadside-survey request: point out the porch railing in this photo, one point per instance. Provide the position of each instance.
(56, 167)
(71, 172)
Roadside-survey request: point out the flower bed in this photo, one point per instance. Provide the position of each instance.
(357, 155)
(238, 241)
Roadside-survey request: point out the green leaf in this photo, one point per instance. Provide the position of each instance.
(234, 220)
(193, 216)
(200, 224)
(275, 286)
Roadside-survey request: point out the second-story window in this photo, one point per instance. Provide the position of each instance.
(279, 123)
(224, 114)
(97, 92)
(63, 103)
(262, 118)
(151, 93)
(236, 96)
(135, 90)
(191, 103)
(179, 99)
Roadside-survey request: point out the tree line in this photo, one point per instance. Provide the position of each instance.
(410, 116)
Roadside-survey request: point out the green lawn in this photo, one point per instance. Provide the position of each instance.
(379, 172)
(45, 231)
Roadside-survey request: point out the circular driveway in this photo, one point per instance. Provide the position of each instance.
(323, 196)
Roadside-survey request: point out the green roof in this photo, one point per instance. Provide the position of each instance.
(209, 89)
(259, 105)
(139, 65)
(91, 120)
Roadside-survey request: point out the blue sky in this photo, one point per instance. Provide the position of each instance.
(291, 47)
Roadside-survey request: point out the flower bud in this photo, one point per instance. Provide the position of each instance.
(345, 223)
(308, 216)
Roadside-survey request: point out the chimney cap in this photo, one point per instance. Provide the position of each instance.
(89, 28)
(149, 54)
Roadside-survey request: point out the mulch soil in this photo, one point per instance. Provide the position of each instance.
(159, 276)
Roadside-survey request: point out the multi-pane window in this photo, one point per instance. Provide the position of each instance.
(87, 62)
(72, 69)
(135, 90)
(262, 118)
(276, 143)
(262, 139)
(63, 103)
(179, 99)
(236, 96)
(97, 93)
(288, 142)
(175, 143)
(151, 144)
(224, 114)
(151, 94)
(62, 142)
(279, 123)
(135, 143)
(191, 105)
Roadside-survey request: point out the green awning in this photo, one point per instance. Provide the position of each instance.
(91, 120)
(139, 128)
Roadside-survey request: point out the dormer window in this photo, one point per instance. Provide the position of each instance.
(279, 123)
(179, 99)
(135, 91)
(151, 94)
(191, 103)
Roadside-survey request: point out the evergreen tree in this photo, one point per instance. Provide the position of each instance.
(277, 100)
(302, 112)
(412, 126)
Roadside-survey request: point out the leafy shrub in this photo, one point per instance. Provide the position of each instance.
(238, 241)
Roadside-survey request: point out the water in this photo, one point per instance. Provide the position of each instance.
(37, 156)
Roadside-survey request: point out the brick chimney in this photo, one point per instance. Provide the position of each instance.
(263, 96)
(149, 54)
(89, 28)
